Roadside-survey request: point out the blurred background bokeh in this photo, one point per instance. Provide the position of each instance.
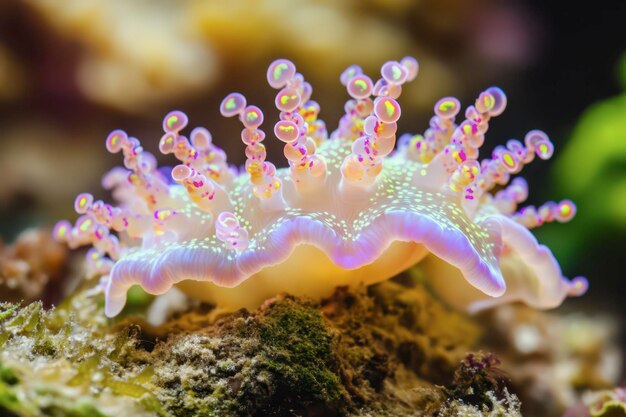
(71, 71)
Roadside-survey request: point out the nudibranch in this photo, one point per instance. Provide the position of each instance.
(350, 208)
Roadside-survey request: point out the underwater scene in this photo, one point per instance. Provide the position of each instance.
(312, 208)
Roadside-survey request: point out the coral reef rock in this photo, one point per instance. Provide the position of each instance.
(30, 264)
(388, 350)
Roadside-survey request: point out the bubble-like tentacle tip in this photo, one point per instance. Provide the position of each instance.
(350, 207)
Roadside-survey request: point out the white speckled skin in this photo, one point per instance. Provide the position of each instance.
(328, 237)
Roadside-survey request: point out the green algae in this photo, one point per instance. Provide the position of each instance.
(82, 409)
(57, 357)
(8, 399)
(7, 310)
(298, 345)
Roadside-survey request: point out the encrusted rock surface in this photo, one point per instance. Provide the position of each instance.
(388, 350)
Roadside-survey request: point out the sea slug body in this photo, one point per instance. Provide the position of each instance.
(351, 207)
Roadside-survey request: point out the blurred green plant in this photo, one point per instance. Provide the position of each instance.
(592, 172)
